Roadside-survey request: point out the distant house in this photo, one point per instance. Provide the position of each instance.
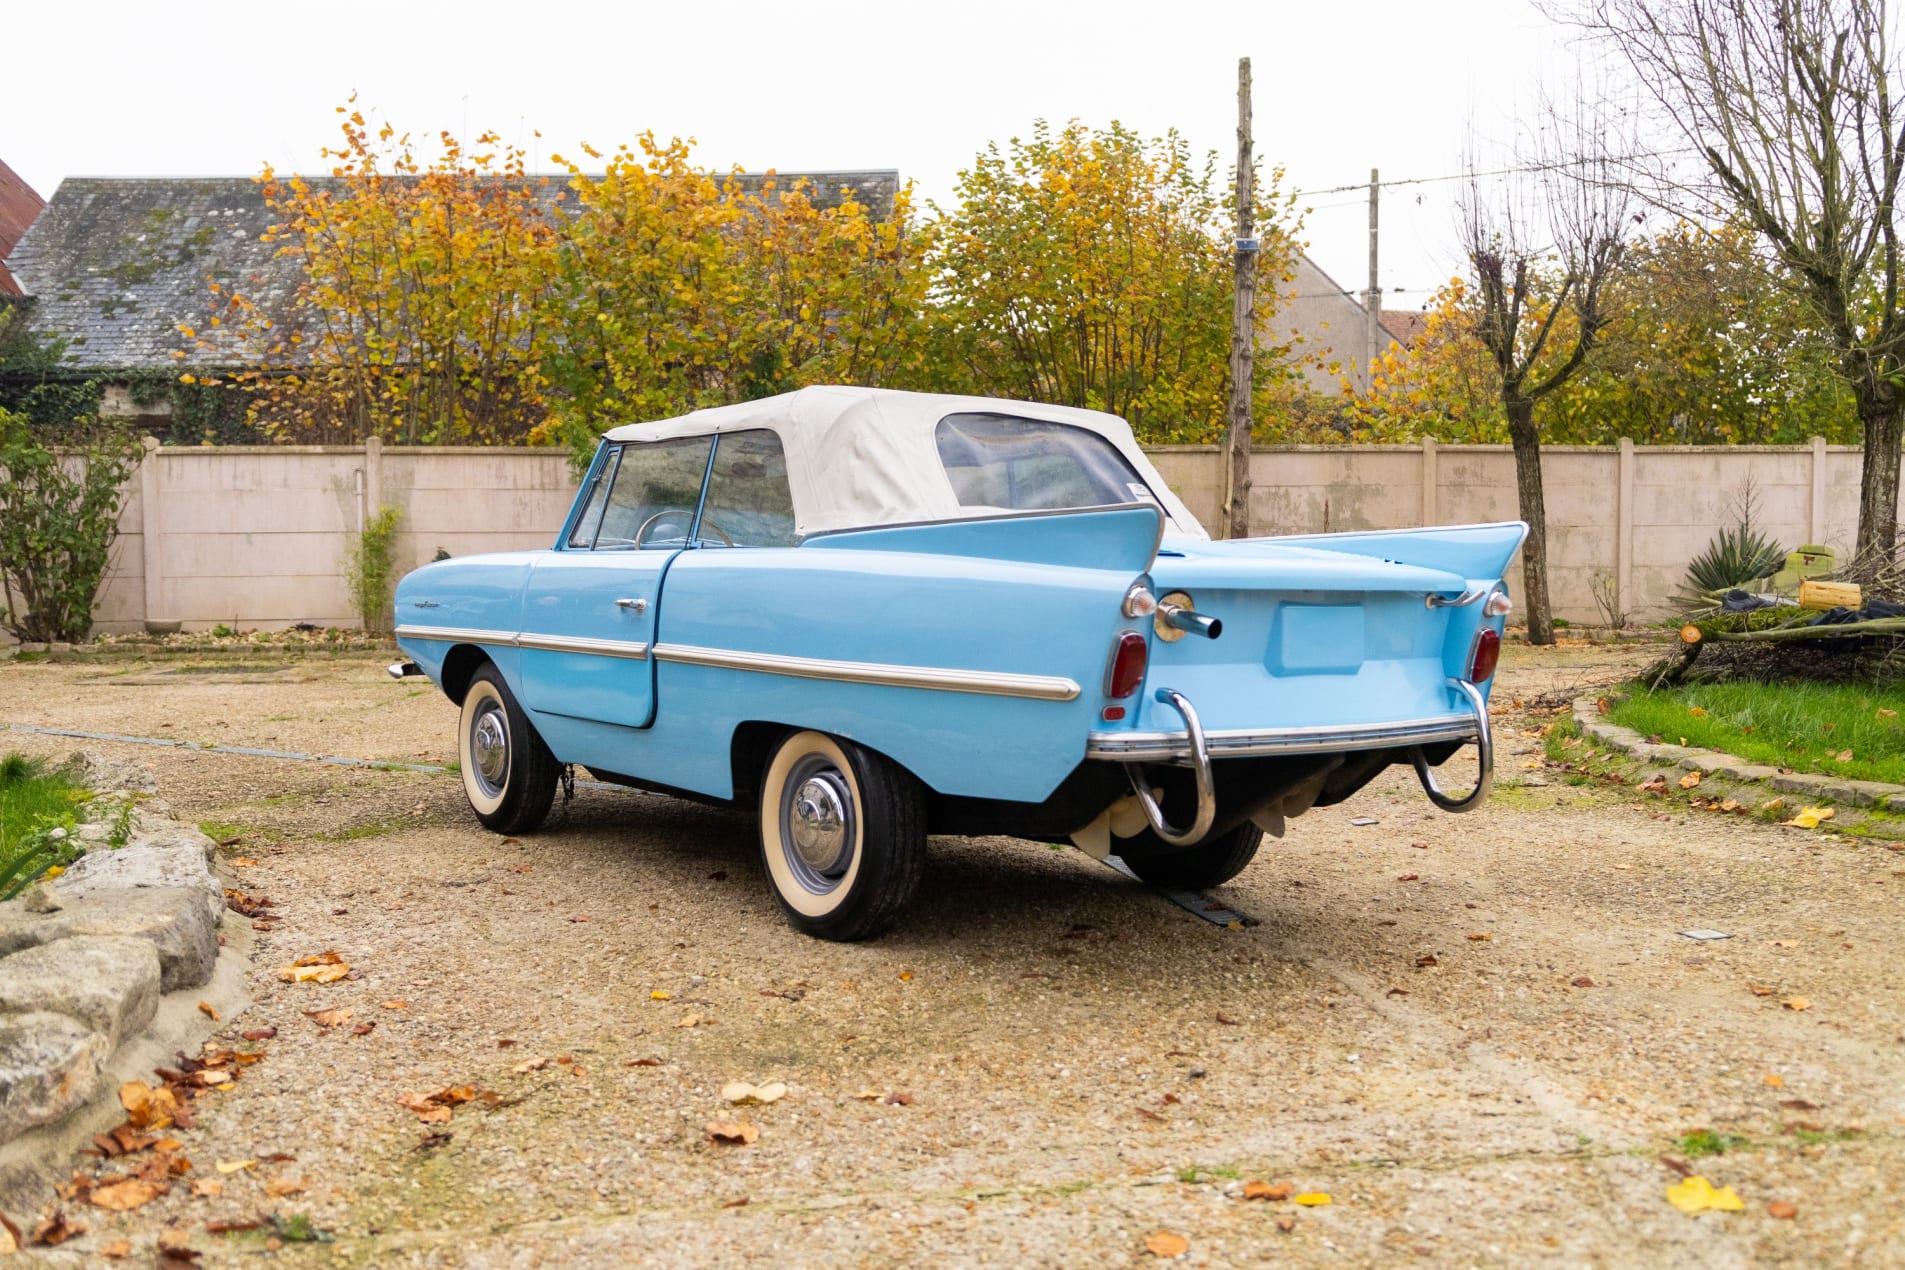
(19, 206)
(116, 265)
(1330, 329)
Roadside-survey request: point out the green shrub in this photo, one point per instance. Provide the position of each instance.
(59, 515)
(370, 570)
(37, 823)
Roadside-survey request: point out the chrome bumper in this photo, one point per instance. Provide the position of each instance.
(1197, 748)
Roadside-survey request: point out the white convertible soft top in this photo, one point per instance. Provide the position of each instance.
(867, 456)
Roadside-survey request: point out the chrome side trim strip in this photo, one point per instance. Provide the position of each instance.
(989, 683)
(1247, 743)
(458, 635)
(634, 650)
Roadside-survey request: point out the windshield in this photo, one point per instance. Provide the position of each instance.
(1012, 464)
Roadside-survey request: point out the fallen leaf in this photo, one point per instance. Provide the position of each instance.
(1696, 1195)
(1656, 784)
(688, 1020)
(124, 1196)
(117, 1249)
(530, 1065)
(1167, 1245)
(1810, 817)
(1427, 959)
(398, 1004)
(736, 1203)
(328, 1018)
(1731, 804)
(906, 976)
(1795, 1003)
(233, 1166)
(899, 1098)
(1775, 1080)
(579, 917)
(1773, 804)
(1286, 1224)
(1690, 780)
(1267, 1190)
(243, 861)
(1697, 712)
(643, 1062)
(205, 1008)
(208, 1188)
(425, 1110)
(325, 973)
(869, 1095)
(659, 995)
(731, 1132)
(363, 1029)
(55, 1230)
(1314, 1199)
(1397, 992)
(1798, 1104)
(261, 1034)
(1582, 981)
(1844, 756)
(1227, 1021)
(279, 1187)
(1480, 935)
(1782, 1210)
(1408, 877)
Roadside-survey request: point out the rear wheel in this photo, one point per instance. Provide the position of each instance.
(508, 773)
(1210, 863)
(843, 836)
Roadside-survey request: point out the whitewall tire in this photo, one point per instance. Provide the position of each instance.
(843, 836)
(508, 773)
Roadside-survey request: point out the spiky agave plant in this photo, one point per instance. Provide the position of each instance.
(1735, 557)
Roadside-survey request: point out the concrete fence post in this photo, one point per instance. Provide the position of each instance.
(1817, 516)
(373, 479)
(151, 527)
(1624, 527)
(1430, 481)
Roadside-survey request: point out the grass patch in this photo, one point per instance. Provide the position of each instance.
(1706, 1142)
(38, 815)
(1806, 727)
(1820, 1137)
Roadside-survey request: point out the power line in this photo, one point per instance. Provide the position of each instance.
(1511, 171)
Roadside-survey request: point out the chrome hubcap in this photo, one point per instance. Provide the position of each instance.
(489, 748)
(820, 831)
(817, 824)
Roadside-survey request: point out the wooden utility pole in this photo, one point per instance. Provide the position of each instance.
(1243, 326)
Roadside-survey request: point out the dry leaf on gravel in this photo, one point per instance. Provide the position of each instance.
(328, 973)
(1690, 780)
(1795, 1003)
(899, 1098)
(643, 1062)
(1408, 877)
(399, 1004)
(1810, 817)
(126, 1195)
(233, 1166)
(328, 1018)
(692, 1020)
(1286, 1224)
(1426, 960)
(1582, 981)
(279, 1187)
(426, 1111)
(205, 1008)
(741, 1093)
(1314, 1199)
(1167, 1245)
(1654, 785)
(207, 1188)
(117, 1249)
(260, 1033)
(55, 1230)
(731, 1132)
(1228, 1021)
(869, 1095)
(1697, 1195)
(1798, 1104)
(659, 995)
(1268, 1190)
(1782, 1210)
(363, 1029)
(530, 1065)
(1775, 1080)
(1479, 936)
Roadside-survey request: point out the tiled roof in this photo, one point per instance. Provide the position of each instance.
(116, 265)
(1405, 324)
(18, 206)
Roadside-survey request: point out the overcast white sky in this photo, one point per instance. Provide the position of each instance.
(142, 89)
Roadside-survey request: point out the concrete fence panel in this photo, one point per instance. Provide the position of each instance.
(260, 536)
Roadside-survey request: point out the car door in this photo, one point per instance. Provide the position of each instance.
(590, 607)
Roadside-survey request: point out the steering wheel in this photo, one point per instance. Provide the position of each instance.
(689, 512)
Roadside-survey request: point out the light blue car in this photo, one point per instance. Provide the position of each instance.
(873, 615)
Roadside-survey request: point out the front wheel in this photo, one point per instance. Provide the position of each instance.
(1212, 862)
(508, 773)
(843, 836)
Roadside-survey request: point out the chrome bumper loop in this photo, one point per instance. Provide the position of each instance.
(1485, 755)
(1200, 767)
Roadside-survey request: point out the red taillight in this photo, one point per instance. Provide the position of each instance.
(1128, 658)
(1488, 651)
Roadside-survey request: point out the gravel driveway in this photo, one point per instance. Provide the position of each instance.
(1478, 1035)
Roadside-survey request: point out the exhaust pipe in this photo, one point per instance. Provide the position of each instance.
(1189, 620)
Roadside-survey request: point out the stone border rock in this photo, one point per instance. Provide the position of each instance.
(1838, 789)
(102, 973)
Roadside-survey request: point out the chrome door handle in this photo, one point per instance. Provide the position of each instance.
(637, 606)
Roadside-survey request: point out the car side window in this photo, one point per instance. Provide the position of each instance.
(657, 487)
(749, 502)
(590, 520)
(1013, 464)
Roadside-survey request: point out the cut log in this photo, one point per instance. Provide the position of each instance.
(1814, 594)
(1690, 634)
